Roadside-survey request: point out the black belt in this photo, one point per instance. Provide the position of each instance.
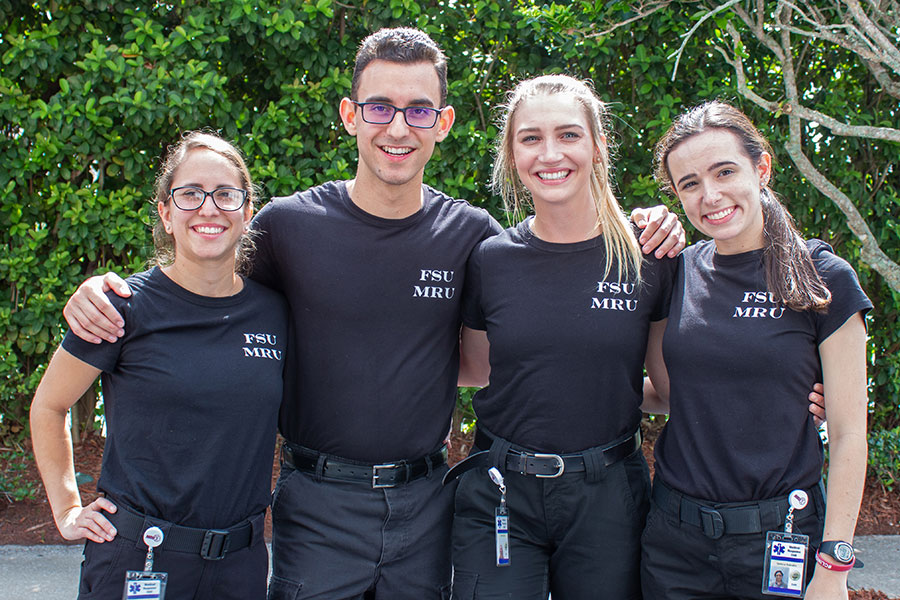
(540, 464)
(210, 544)
(717, 519)
(379, 476)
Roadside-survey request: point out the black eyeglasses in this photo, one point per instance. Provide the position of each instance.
(189, 197)
(381, 113)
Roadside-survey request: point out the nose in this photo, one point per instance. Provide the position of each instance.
(397, 127)
(712, 193)
(208, 207)
(550, 152)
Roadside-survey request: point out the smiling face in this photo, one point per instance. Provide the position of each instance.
(206, 236)
(719, 187)
(553, 150)
(395, 154)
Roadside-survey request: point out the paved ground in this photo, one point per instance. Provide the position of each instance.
(51, 572)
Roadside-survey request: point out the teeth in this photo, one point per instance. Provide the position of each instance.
(554, 175)
(210, 230)
(721, 214)
(396, 151)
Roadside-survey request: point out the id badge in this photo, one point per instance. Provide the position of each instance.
(784, 573)
(501, 535)
(145, 585)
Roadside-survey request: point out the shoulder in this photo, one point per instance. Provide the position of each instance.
(829, 265)
(460, 211)
(146, 283)
(313, 199)
(259, 293)
(700, 249)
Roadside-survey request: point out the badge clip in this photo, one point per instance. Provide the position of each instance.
(784, 571)
(501, 520)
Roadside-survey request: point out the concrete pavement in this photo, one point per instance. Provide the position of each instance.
(51, 572)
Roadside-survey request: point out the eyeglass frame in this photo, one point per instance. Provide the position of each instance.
(208, 195)
(362, 112)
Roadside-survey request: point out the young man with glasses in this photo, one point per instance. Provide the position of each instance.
(373, 270)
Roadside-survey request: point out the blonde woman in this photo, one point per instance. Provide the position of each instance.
(568, 303)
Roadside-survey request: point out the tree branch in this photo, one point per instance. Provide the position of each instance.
(687, 36)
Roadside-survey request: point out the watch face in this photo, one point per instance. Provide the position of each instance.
(843, 552)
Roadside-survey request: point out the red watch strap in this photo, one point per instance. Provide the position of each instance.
(833, 567)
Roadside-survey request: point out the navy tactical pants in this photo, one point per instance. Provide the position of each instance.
(576, 536)
(336, 540)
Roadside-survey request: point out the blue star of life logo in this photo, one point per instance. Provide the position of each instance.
(778, 549)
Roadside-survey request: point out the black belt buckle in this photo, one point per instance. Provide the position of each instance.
(215, 544)
(712, 522)
(376, 476)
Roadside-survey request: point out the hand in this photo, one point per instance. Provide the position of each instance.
(662, 231)
(826, 585)
(90, 314)
(80, 522)
(817, 404)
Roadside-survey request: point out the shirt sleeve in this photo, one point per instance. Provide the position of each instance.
(472, 311)
(263, 265)
(104, 355)
(847, 296)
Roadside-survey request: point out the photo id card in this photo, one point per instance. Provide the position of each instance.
(145, 585)
(501, 534)
(784, 572)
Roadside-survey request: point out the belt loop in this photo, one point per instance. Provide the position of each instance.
(498, 452)
(772, 514)
(594, 465)
(818, 494)
(320, 467)
(428, 466)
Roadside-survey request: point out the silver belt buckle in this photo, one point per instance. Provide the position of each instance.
(375, 484)
(560, 462)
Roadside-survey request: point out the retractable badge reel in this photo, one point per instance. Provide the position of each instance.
(501, 520)
(147, 584)
(784, 573)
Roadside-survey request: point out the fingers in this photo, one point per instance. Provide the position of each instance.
(89, 522)
(639, 217)
(90, 314)
(117, 284)
(662, 234)
(817, 404)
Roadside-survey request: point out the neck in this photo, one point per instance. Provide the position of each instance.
(565, 224)
(216, 281)
(385, 200)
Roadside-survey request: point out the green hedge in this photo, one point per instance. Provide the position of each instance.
(92, 91)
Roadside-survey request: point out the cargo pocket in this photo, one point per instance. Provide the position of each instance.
(464, 583)
(283, 589)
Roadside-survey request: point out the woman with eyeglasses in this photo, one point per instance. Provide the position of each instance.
(191, 394)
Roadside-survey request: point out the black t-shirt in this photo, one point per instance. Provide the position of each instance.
(191, 396)
(741, 367)
(374, 303)
(567, 345)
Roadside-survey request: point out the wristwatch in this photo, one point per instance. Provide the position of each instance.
(840, 551)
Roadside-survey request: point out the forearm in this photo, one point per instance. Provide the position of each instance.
(52, 445)
(653, 402)
(846, 480)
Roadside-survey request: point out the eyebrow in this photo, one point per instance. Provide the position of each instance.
(712, 167)
(416, 102)
(560, 128)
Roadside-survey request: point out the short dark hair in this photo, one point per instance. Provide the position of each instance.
(400, 45)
